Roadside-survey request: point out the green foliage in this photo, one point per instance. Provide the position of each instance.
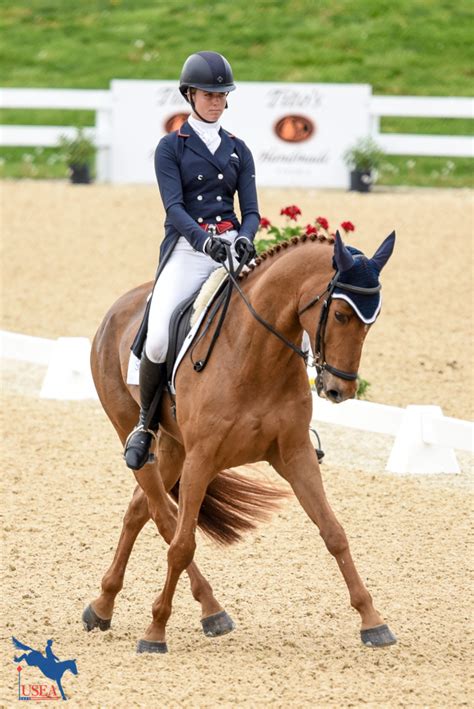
(412, 47)
(365, 155)
(78, 150)
(362, 387)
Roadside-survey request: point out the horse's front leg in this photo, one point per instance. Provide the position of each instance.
(296, 461)
(60, 687)
(193, 485)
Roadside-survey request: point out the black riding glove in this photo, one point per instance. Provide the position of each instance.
(215, 248)
(244, 249)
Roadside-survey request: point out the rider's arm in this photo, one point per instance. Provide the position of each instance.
(247, 192)
(171, 190)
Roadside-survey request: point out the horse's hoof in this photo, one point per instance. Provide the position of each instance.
(91, 620)
(217, 624)
(380, 636)
(151, 646)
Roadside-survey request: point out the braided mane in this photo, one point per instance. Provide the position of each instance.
(273, 250)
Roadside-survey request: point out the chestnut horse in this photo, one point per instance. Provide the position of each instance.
(251, 403)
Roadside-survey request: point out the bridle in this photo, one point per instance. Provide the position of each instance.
(319, 360)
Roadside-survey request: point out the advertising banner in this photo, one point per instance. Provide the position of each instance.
(297, 132)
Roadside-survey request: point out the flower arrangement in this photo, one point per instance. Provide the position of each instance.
(275, 234)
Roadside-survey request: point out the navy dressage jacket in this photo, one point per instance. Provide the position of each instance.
(198, 187)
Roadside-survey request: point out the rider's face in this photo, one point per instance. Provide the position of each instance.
(209, 104)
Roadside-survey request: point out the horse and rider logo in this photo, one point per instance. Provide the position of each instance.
(51, 667)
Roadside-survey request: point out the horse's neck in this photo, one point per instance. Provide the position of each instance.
(276, 286)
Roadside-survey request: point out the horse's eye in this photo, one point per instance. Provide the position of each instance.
(340, 317)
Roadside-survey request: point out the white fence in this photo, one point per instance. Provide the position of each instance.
(422, 107)
(101, 101)
(48, 136)
(424, 439)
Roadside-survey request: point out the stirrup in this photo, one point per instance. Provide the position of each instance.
(138, 427)
(144, 455)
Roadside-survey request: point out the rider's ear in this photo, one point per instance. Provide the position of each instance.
(343, 259)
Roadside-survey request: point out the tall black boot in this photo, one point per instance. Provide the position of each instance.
(152, 382)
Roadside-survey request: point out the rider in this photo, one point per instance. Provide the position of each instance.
(199, 169)
(49, 652)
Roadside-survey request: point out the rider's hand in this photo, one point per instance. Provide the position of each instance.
(244, 249)
(215, 248)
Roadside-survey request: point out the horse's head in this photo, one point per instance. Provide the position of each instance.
(72, 666)
(348, 307)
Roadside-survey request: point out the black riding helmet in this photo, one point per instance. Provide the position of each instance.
(208, 71)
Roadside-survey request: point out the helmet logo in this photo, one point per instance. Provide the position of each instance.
(220, 79)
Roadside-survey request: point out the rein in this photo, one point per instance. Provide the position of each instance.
(319, 361)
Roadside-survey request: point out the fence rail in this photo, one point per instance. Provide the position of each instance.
(101, 102)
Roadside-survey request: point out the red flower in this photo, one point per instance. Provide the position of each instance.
(265, 223)
(292, 212)
(310, 229)
(348, 226)
(323, 222)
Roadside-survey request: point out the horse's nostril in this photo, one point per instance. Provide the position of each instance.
(334, 395)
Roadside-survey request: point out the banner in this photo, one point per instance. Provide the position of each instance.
(297, 132)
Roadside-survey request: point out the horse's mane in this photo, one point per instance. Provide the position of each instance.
(282, 246)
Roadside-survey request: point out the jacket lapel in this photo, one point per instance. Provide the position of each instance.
(221, 157)
(225, 149)
(195, 143)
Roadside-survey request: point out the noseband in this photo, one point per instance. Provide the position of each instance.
(319, 361)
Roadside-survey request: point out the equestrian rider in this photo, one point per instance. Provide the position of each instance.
(199, 169)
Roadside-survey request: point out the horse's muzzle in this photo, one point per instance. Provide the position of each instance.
(334, 388)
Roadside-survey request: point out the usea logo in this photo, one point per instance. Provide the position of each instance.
(294, 128)
(50, 666)
(175, 121)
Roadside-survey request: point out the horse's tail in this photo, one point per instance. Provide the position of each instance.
(235, 504)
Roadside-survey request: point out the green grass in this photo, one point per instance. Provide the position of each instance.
(412, 47)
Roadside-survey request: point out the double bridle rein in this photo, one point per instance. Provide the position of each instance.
(319, 359)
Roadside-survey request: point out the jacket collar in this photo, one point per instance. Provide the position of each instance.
(221, 157)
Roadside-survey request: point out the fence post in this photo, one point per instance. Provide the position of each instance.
(103, 125)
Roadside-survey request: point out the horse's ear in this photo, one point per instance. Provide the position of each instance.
(383, 253)
(343, 258)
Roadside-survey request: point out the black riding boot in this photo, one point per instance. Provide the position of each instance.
(152, 382)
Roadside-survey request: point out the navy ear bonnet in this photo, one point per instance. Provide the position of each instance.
(363, 274)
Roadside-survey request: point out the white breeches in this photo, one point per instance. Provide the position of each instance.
(185, 271)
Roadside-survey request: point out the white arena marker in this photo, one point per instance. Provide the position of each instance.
(69, 376)
(410, 452)
(25, 348)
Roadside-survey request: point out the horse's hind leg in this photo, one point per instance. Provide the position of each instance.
(297, 463)
(98, 614)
